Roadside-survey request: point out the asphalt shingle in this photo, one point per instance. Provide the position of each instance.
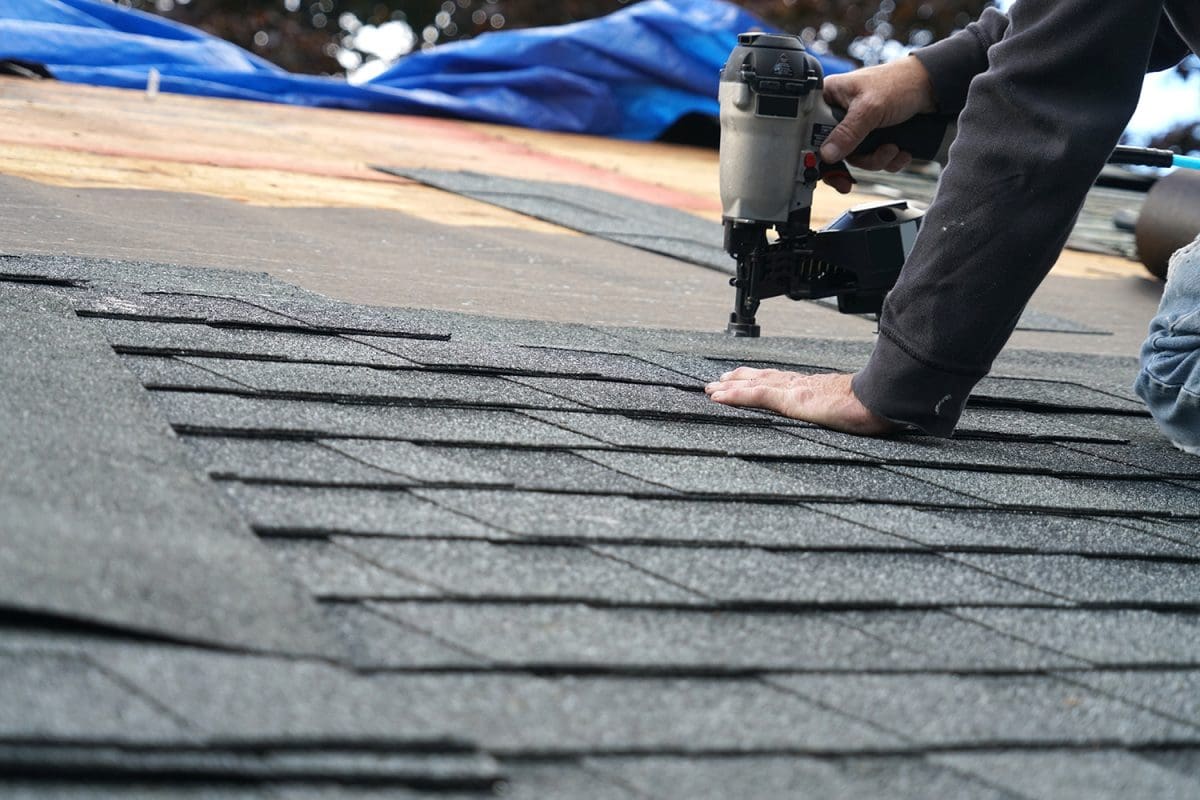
(1100, 581)
(283, 510)
(257, 416)
(679, 520)
(814, 578)
(996, 531)
(240, 344)
(736, 440)
(768, 778)
(1100, 637)
(40, 697)
(518, 572)
(329, 570)
(92, 468)
(1066, 775)
(581, 635)
(548, 470)
(941, 710)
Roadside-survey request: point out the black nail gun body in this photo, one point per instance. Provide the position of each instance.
(773, 122)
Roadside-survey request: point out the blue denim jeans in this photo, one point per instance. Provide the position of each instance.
(1169, 380)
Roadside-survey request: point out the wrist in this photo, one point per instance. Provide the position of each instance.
(916, 83)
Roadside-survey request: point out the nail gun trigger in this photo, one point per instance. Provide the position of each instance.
(838, 168)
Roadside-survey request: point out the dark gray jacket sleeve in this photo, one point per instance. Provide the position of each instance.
(1058, 85)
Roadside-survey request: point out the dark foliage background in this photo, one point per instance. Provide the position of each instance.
(307, 35)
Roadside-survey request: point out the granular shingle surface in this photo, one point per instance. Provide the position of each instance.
(297, 547)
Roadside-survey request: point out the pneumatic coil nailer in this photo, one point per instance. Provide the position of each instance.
(773, 122)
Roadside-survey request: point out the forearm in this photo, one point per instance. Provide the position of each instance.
(1038, 125)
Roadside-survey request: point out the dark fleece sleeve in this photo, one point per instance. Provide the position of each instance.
(1039, 123)
(955, 60)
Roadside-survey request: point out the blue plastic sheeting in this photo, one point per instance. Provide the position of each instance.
(631, 74)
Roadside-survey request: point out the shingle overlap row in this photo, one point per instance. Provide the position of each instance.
(536, 554)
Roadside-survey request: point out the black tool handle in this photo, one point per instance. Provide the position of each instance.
(922, 135)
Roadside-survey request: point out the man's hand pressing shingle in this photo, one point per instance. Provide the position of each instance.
(825, 400)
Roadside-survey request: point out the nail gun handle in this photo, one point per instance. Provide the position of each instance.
(925, 135)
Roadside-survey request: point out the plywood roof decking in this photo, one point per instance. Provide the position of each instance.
(534, 555)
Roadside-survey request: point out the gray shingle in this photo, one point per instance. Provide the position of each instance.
(487, 330)
(540, 469)
(1096, 580)
(526, 780)
(284, 461)
(621, 518)
(241, 698)
(1061, 394)
(129, 276)
(918, 450)
(327, 570)
(826, 578)
(385, 384)
(700, 474)
(362, 511)
(607, 637)
(959, 710)
(168, 371)
(1173, 693)
(1095, 497)
(320, 419)
(176, 306)
(770, 778)
(1066, 775)
(1178, 497)
(90, 467)
(737, 440)
(45, 696)
(505, 357)
(244, 698)
(1152, 454)
(636, 397)
(947, 642)
(482, 569)
(422, 464)
(869, 483)
(370, 640)
(652, 714)
(1008, 424)
(197, 339)
(1101, 637)
(1000, 531)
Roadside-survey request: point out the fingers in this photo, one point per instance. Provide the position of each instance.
(749, 373)
(864, 113)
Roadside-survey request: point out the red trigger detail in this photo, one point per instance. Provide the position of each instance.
(810, 160)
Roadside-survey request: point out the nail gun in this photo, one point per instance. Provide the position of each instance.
(773, 122)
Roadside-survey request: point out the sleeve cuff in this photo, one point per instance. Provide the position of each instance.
(897, 386)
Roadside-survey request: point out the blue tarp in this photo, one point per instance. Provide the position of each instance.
(631, 74)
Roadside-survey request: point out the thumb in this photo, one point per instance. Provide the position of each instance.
(862, 117)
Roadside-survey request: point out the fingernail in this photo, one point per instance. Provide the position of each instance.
(727, 376)
(831, 152)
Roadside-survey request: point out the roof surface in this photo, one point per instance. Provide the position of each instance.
(266, 543)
